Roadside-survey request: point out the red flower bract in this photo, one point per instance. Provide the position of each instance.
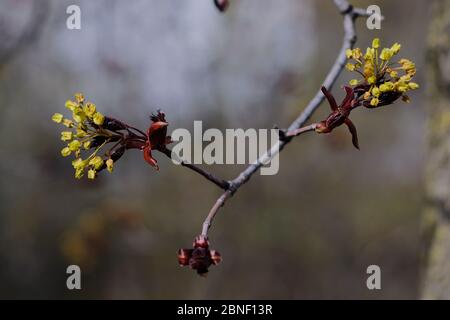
(200, 258)
(156, 138)
(339, 114)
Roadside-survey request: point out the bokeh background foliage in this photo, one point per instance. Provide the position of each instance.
(308, 232)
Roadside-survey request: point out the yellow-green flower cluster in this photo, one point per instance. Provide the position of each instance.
(84, 132)
(382, 79)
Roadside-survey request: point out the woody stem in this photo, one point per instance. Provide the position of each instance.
(209, 176)
(350, 14)
(297, 132)
(212, 213)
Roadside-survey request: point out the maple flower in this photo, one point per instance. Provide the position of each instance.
(200, 258)
(383, 80)
(382, 84)
(98, 141)
(57, 117)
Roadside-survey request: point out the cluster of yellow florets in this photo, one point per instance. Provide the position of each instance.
(84, 132)
(380, 75)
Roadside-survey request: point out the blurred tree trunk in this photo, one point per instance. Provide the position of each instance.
(436, 283)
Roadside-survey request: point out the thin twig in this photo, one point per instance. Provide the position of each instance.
(212, 213)
(225, 185)
(299, 131)
(350, 14)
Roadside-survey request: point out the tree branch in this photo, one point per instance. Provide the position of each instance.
(225, 185)
(295, 129)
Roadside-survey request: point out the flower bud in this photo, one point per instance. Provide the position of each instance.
(222, 5)
(201, 242)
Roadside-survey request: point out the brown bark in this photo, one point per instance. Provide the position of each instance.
(436, 284)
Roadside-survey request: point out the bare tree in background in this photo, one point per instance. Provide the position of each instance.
(11, 44)
(437, 214)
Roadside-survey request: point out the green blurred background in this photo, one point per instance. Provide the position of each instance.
(308, 232)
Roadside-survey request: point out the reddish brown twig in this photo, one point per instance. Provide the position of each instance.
(209, 176)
